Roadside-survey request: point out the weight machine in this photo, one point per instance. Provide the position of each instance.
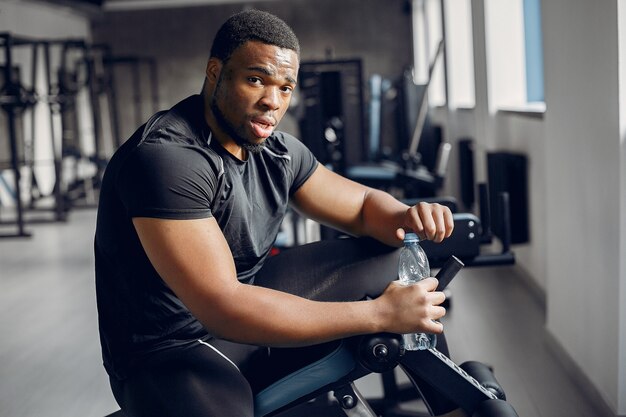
(421, 166)
(79, 78)
(73, 85)
(14, 100)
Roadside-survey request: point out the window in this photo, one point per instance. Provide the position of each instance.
(460, 53)
(534, 50)
(427, 35)
(514, 54)
(428, 24)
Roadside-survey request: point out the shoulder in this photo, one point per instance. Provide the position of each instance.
(285, 144)
(182, 124)
(300, 161)
(169, 180)
(167, 157)
(177, 139)
(164, 158)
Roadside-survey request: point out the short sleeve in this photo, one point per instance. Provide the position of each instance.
(168, 181)
(303, 162)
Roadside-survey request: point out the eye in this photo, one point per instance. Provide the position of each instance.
(255, 80)
(287, 89)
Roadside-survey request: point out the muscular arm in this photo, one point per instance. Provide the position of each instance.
(360, 210)
(194, 259)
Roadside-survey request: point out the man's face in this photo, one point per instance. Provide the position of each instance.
(253, 92)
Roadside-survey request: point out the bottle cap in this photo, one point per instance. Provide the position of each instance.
(411, 237)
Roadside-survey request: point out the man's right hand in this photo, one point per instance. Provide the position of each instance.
(412, 308)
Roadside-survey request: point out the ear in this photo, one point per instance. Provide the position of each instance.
(213, 69)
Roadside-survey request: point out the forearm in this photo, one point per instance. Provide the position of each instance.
(257, 315)
(351, 207)
(261, 316)
(381, 216)
(363, 211)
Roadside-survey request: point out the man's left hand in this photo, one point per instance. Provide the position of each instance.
(430, 221)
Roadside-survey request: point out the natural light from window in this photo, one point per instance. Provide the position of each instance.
(514, 63)
(460, 53)
(427, 33)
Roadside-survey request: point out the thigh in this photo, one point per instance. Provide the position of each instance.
(332, 270)
(197, 381)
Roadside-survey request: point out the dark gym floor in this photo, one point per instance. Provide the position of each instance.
(50, 357)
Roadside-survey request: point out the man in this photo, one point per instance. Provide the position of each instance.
(193, 320)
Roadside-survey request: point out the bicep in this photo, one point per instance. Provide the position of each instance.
(194, 260)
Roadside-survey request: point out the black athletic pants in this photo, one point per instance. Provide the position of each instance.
(216, 378)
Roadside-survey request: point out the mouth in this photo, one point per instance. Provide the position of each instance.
(262, 126)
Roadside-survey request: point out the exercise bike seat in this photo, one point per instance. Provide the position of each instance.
(310, 379)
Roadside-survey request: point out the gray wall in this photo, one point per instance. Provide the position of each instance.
(583, 150)
(378, 31)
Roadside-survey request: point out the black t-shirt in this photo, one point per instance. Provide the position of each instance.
(171, 169)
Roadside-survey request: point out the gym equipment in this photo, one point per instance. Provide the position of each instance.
(507, 172)
(422, 168)
(59, 208)
(448, 271)
(70, 94)
(14, 99)
(332, 123)
(79, 78)
(443, 385)
(471, 233)
(466, 172)
(84, 80)
(60, 98)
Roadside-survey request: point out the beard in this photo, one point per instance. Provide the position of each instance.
(230, 129)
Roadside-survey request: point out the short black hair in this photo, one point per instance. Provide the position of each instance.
(252, 25)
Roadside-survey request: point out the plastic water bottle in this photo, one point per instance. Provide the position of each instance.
(413, 267)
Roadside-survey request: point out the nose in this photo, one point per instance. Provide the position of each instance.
(271, 98)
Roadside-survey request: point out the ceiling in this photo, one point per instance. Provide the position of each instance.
(156, 4)
(120, 5)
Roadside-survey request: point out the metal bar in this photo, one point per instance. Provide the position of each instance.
(60, 211)
(447, 378)
(10, 112)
